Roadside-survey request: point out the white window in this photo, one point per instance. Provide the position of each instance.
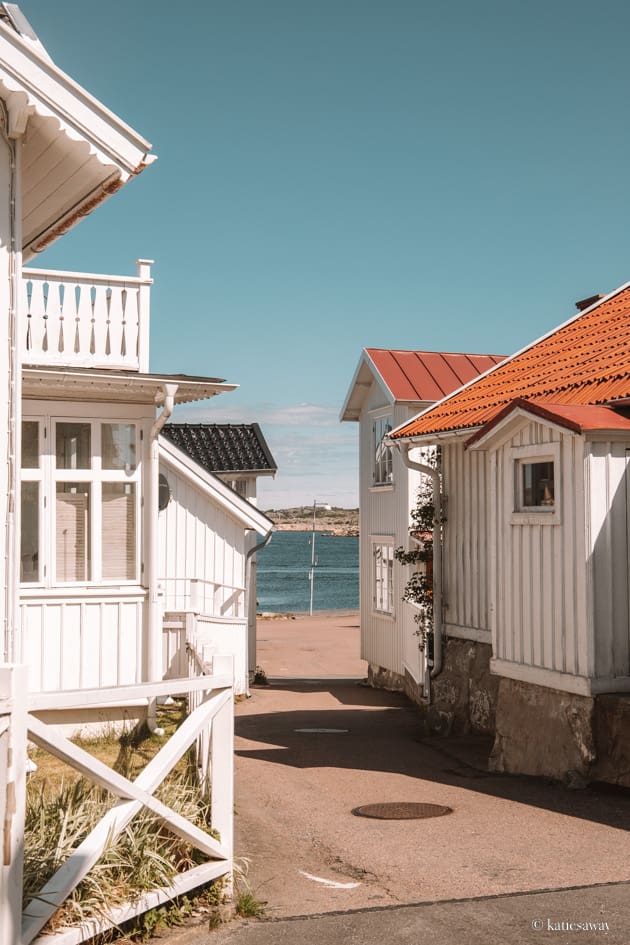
(535, 489)
(80, 500)
(534, 495)
(382, 472)
(383, 577)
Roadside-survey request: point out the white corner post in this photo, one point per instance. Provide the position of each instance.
(165, 398)
(13, 692)
(143, 268)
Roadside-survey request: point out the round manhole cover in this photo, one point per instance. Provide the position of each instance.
(402, 811)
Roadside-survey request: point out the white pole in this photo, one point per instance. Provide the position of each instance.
(312, 574)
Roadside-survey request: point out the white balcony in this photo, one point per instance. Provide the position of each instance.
(78, 319)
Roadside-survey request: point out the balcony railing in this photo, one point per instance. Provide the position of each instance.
(78, 319)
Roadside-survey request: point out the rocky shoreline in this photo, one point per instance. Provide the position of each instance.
(336, 521)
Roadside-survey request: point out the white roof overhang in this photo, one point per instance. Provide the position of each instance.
(235, 505)
(364, 376)
(75, 151)
(91, 384)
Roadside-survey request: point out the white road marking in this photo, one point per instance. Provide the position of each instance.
(329, 882)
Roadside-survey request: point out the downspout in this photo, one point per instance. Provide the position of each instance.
(437, 553)
(155, 609)
(249, 561)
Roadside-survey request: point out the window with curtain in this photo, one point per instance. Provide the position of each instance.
(80, 501)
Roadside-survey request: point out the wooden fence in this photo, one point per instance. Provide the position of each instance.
(211, 721)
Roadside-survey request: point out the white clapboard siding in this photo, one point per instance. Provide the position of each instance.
(71, 643)
(466, 536)
(200, 541)
(607, 471)
(389, 642)
(539, 586)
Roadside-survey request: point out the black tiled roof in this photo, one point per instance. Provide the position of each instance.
(223, 447)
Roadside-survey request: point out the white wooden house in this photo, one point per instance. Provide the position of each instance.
(535, 469)
(82, 596)
(237, 454)
(388, 388)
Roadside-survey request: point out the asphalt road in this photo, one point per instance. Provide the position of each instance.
(515, 859)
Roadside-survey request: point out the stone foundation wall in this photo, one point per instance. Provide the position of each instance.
(463, 696)
(381, 678)
(543, 732)
(612, 739)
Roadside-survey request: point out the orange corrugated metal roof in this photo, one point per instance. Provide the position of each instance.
(576, 417)
(428, 375)
(584, 361)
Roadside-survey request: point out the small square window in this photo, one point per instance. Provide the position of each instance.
(536, 485)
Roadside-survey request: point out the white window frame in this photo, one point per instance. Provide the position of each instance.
(382, 583)
(49, 477)
(36, 475)
(383, 467)
(520, 456)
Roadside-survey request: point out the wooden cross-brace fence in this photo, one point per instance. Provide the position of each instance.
(213, 714)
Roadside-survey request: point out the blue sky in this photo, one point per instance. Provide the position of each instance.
(340, 174)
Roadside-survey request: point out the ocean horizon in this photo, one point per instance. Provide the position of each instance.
(283, 568)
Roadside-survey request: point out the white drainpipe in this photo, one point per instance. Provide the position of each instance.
(249, 562)
(155, 609)
(437, 551)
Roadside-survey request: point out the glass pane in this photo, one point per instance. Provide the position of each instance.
(72, 514)
(118, 446)
(538, 485)
(119, 531)
(73, 446)
(30, 444)
(29, 561)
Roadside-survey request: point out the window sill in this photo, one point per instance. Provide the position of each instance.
(535, 518)
(383, 487)
(382, 615)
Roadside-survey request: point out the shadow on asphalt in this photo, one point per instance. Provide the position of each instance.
(385, 734)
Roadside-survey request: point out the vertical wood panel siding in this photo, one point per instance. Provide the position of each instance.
(387, 642)
(73, 644)
(198, 540)
(608, 557)
(466, 542)
(540, 608)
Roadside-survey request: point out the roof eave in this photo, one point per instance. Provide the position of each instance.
(249, 515)
(357, 392)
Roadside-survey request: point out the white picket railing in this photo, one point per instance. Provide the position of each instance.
(84, 320)
(200, 596)
(211, 719)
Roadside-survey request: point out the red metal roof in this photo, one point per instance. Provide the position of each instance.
(428, 375)
(584, 361)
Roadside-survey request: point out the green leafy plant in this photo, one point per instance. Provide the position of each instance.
(419, 587)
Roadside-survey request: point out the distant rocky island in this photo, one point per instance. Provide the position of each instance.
(336, 521)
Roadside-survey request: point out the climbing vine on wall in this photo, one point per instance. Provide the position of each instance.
(419, 587)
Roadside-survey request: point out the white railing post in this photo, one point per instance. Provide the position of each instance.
(13, 693)
(222, 767)
(144, 312)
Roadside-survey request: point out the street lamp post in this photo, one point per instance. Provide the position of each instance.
(311, 573)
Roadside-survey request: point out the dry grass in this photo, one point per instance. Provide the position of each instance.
(62, 808)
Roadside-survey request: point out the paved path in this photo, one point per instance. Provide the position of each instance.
(309, 855)
(599, 915)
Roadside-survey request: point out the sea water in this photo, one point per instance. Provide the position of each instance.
(283, 569)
